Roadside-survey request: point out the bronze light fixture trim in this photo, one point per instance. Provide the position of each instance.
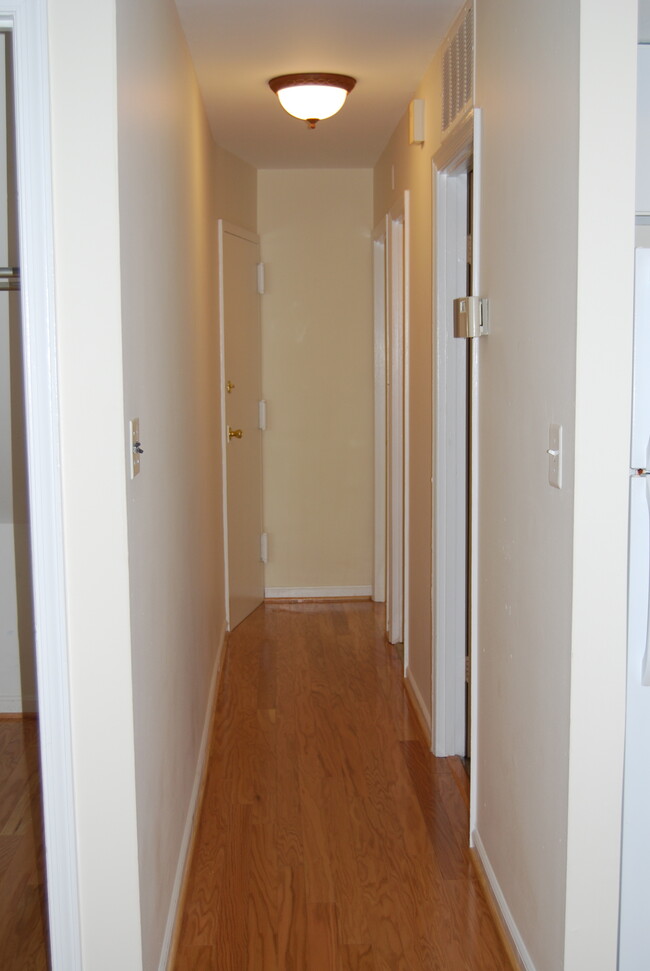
(312, 97)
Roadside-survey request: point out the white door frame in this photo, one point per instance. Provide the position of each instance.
(397, 338)
(379, 309)
(450, 165)
(27, 21)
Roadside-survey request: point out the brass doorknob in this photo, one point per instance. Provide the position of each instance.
(234, 433)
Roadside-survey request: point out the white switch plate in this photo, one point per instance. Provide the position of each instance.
(134, 436)
(554, 452)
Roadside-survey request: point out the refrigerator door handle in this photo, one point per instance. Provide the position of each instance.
(645, 666)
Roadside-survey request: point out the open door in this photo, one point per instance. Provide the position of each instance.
(456, 175)
(241, 376)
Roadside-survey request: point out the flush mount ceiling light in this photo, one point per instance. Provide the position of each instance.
(312, 97)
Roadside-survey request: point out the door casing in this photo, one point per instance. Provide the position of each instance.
(27, 22)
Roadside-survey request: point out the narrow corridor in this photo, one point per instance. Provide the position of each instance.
(330, 838)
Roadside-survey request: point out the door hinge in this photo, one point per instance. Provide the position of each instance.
(260, 278)
(264, 547)
(468, 670)
(261, 415)
(471, 317)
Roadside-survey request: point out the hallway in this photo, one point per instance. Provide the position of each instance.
(329, 837)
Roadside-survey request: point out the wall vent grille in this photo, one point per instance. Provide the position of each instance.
(458, 70)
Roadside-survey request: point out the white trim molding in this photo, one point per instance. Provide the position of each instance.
(499, 901)
(316, 593)
(193, 809)
(27, 22)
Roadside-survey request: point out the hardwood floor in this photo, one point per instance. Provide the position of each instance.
(23, 922)
(329, 838)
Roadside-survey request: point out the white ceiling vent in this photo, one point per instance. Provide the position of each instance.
(458, 69)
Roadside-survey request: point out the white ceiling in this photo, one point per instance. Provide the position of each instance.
(237, 45)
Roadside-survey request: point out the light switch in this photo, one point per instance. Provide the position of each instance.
(554, 452)
(135, 444)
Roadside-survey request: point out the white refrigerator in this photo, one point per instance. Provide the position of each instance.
(634, 935)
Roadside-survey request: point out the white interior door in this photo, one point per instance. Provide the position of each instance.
(379, 278)
(241, 394)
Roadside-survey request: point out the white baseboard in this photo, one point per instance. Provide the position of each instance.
(500, 902)
(16, 704)
(315, 593)
(192, 808)
(421, 709)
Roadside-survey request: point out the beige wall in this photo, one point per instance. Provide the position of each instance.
(545, 745)
(317, 327)
(235, 190)
(82, 44)
(410, 167)
(608, 34)
(527, 380)
(173, 187)
(136, 184)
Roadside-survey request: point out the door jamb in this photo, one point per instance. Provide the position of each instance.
(27, 23)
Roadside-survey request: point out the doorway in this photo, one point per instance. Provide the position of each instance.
(380, 418)
(241, 410)
(23, 914)
(391, 426)
(456, 187)
(26, 24)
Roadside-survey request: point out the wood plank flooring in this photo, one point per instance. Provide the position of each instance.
(23, 921)
(329, 836)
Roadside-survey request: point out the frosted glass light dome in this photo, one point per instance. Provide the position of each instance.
(312, 97)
